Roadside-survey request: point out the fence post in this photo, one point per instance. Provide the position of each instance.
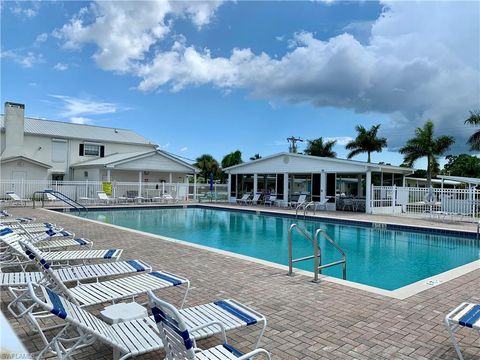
(394, 198)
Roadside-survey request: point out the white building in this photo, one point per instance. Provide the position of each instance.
(289, 175)
(37, 149)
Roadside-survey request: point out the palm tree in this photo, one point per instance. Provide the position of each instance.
(317, 147)
(366, 141)
(234, 158)
(425, 145)
(255, 157)
(207, 164)
(474, 140)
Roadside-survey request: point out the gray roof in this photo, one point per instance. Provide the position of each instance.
(463, 179)
(112, 158)
(79, 131)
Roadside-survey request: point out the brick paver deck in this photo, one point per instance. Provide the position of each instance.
(305, 320)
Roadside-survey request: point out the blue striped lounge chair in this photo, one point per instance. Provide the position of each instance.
(77, 273)
(104, 291)
(465, 315)
(46, 236)
(180, 344)
(135, 337)
(15, 256)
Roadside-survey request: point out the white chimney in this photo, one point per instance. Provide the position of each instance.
(14, 129)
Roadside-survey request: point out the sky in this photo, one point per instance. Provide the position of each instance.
(212, 77)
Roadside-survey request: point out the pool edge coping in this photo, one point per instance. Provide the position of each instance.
(399, 294)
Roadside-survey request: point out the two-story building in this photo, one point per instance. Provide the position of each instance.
(38, 149)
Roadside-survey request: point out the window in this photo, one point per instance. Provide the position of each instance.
(59, 150)
(85, 174)
(57, 177)
(91, 150)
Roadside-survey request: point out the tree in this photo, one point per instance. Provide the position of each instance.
(318, 147)
(462, 165)
(474, 140)
(234, 158)
(425, 145)
(255, 157)
(366, 141)
(208, 165)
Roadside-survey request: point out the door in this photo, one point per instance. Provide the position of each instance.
(18, 182)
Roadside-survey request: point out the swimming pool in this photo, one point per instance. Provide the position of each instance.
(386, 259)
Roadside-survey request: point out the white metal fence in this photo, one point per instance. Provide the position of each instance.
(80, 190)
(463, 204)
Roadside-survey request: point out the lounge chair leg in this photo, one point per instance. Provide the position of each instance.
(453, 339)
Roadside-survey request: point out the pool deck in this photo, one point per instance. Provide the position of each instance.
(305, 320)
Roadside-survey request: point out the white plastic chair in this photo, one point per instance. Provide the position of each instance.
(103, 197)
(180, 344)
(135, 337)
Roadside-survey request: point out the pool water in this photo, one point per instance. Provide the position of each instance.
(381, 258)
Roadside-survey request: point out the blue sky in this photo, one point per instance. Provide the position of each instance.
(214, 77)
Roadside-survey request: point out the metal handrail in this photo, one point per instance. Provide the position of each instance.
(62, 197)
(317, 252)
(311, 203)
(299, 206)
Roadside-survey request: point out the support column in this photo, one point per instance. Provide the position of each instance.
(285, 189)
(194, 186)
(403, 181)
(108, 175)
(360, 185)
(170, 178)
(140, 183)
(229, 187)
(323, 185)
(255, 185)
(368, 197)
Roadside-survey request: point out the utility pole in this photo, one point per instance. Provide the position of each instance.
(293, 147)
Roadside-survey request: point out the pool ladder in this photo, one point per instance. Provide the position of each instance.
(317, 252)
(305, 206)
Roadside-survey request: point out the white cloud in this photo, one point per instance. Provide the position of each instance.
(73, 107)
(27, 12)
(183, 149)
(165, 146)
(124, 32)
(80, 120)
(412, 67)
(61, 67)
(25, 60)
(41, 38)
(341, 140)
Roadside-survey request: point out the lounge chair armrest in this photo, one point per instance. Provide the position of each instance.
(209, 324)
(255, 352)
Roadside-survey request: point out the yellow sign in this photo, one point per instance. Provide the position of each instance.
(107, 188)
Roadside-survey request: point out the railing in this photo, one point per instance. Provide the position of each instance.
(317, 252)
(62, 197)
(464, 204)
(88, 189)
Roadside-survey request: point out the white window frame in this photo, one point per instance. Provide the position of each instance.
(99, 146)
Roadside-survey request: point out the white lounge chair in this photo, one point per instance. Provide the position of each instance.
(15, 199)
(136, 337)
(180, 344)
(98, 292)
(465, 315)
(46, 237)
(321, 205)
(271, 200)
(17, 257)
(301, 199)
(76, 273)
(243, 200)
(255, 200)
(103, 197)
